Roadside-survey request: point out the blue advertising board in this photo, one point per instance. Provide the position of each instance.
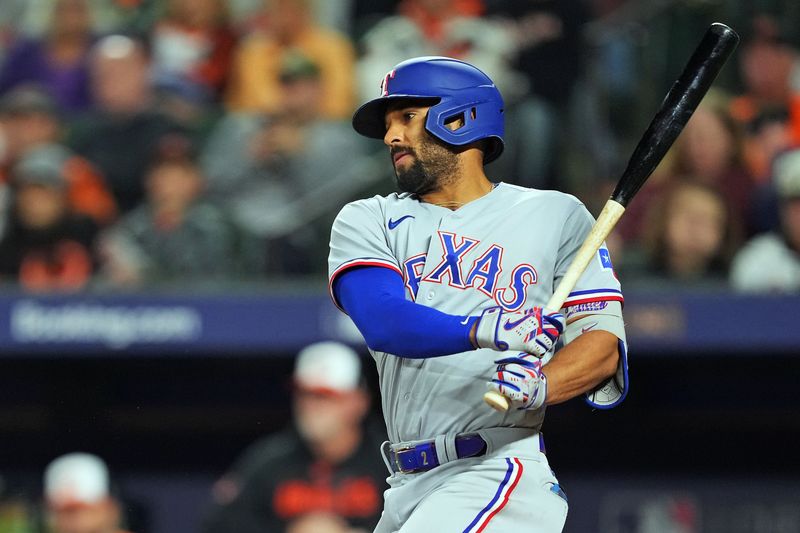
(268, 323)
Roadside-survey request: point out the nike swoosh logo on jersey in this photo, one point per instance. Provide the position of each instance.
(584, 329)
(393, 223)
(509, 325)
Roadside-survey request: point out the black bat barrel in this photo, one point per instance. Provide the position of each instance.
(682, 99)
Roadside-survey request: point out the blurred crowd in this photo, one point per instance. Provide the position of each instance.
(148, 142)
(151, 142)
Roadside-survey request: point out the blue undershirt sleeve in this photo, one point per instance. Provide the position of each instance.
(374, 298)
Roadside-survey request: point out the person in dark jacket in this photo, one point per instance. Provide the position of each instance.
(325, 473)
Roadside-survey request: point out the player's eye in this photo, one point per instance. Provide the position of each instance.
(408, 115)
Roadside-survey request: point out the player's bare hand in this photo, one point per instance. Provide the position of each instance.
(521, 381)
(531, 331)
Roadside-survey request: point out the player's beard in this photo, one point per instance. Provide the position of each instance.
(435, 165)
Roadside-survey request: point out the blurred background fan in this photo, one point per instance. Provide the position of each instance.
(169, 170)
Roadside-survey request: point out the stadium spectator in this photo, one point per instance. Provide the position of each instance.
(549, 53)
(689, 238)
(78, 496)
(30, 118)
(30, 121)
(192, 46)
(175, 235)
(770, 262)
(57, 61)
(269, 169)
(766, 135)
(708, 152)
(767, 62)
(46, 246)
(255, 78)
(119, 136)
(321, 473)
(549, 44)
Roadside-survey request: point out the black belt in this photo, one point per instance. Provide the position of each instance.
(422, 456)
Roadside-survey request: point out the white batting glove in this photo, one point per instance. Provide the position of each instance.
(531, 331)
(521, 381)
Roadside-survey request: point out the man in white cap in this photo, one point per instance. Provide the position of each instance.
(770, 262)
(322, 475)
(78, 497)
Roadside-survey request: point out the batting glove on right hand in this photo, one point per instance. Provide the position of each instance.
(521, 380)
(531, 331)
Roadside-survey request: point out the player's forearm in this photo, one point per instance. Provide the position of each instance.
(581, 366)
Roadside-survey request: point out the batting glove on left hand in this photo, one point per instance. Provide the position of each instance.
(521, 381)
(531, 331)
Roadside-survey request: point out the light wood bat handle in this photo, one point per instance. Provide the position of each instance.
(605, 223)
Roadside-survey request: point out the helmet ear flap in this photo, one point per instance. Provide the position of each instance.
(461, 124)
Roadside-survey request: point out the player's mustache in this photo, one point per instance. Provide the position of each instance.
(394, 150)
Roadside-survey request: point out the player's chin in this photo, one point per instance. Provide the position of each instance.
(415, 179)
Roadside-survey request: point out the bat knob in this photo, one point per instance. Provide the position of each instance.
(725, 33)
(496, 401)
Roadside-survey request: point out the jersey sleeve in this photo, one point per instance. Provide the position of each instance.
(358, 239)
(598, 282)
(595, 303)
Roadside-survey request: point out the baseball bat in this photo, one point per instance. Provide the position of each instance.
(678, 106)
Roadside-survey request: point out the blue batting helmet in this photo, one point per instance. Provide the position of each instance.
(453, 89)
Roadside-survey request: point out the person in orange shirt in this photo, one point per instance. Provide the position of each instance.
(30, 121)
(254, 84)
(324, 474)
(768, 65)
(192, 46)
(47, 246)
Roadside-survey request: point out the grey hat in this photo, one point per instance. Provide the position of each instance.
(43, 165)
(26, 99)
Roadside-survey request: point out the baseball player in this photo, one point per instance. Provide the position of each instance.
(445, 280)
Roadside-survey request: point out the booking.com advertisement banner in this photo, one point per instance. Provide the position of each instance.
(257, 323)
(98, 325)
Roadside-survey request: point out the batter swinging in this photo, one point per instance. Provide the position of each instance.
(445, 280)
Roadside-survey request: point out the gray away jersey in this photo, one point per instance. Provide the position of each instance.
(509, 248)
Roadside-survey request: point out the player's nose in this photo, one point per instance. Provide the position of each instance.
(394, 133)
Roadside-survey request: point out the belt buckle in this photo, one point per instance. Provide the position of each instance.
(396, 452)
